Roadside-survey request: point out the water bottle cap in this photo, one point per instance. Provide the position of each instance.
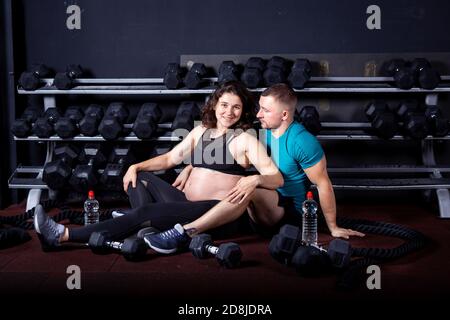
(91, 194)
(309, 195)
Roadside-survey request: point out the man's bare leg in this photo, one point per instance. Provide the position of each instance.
(264, 209)
(262, 206)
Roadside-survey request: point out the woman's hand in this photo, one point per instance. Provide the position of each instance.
(244, 188)
(180, 181)
(130, 176)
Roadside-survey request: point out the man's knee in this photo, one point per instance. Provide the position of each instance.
(249, 199)
(265, 214)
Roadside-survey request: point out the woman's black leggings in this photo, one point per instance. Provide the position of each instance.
(152, 200)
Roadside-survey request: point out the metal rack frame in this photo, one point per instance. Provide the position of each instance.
(155, 86)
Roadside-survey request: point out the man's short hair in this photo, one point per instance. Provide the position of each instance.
(282, 93)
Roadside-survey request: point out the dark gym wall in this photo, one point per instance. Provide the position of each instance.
(3, 131)
(7, 96)
(137, 38)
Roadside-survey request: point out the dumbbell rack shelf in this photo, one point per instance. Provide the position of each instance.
(347, 131)
(131, 137)
(155, 86)
(338, 183)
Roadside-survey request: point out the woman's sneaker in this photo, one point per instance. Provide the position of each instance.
(168, 241)
(49, 232)
(120, 213)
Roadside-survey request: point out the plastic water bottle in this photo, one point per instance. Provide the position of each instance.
(309, 232)
(91, 207)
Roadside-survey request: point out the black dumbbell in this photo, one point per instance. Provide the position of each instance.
(22, 127)
(284, 244)
(57, 173)
(84, 176)
(173, 77)
(194, 78)
(438, 125)
(402, 73)
(252, 76)
(414, 122)
(300, 73)
(187, 112)
(277, 68)
(119, 161)
(339, 251)
(133, 249)
(43, 127)
(286, 247)
(314, 261)
(111, 125)
(65, 80)
(228, 71)
(67, 126)
(382, 119)
(309, 117)
(426, 76)
(227, 254)
(146, 122)
(32, 80)
(88, 126)
(311, 261)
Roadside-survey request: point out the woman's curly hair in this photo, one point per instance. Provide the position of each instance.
(248, 116)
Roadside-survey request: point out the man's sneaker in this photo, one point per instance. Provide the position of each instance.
(119, 213)
(168, 241)
(49, 232)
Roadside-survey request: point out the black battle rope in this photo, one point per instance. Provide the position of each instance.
(74, 216)
(414, 241)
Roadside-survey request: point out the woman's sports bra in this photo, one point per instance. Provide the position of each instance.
(214, 154)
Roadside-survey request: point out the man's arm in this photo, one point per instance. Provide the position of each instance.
(318, 175)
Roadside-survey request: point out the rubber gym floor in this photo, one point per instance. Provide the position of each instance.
(424, 275)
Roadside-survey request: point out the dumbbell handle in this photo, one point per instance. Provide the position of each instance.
(212, 249)
(114, 244)
(90, 162)
(318, 247)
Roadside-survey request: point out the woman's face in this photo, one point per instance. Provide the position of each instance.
(228, 110)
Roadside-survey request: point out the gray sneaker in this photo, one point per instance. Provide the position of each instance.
(119, 213)
(49, 232)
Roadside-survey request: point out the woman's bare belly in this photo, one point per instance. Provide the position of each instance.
(206, 184)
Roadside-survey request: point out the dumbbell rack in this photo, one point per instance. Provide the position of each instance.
(155, 86)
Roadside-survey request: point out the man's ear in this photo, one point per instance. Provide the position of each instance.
(285, 114)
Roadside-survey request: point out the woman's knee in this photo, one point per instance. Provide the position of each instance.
(145, 176)
(141, 181)
(132, 191)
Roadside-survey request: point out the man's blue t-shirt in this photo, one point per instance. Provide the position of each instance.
(295, 150)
